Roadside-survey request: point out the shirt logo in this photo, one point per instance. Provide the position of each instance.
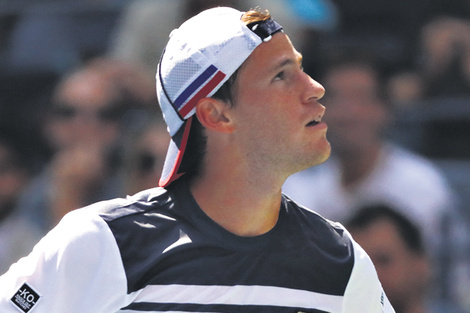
(25, 298)
(382, 300)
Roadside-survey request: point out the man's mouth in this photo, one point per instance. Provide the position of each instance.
(314, 122)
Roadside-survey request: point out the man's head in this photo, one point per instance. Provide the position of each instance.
(397, 250)
(357, 108)
(201, 55)
(82, 111)
(241, 76)
(89, 102)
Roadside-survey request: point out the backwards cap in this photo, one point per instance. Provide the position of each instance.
(199, 58)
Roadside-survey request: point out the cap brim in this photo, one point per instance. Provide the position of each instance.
(176, 149)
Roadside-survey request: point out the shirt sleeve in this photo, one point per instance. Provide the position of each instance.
(75, 268)
(364, 293)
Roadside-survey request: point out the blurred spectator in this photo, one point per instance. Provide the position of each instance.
(17, 236)
(405, 88)
(144, 155)
(365, 167)
(90, 109)
(443, 63)
(445, 57)
(399, 254)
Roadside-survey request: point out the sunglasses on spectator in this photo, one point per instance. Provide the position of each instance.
(68, 112)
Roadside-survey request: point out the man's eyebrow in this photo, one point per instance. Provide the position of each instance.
(290, 61)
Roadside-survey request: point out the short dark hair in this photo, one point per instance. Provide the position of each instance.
(195, 149)
(225, 92)
(407, 230)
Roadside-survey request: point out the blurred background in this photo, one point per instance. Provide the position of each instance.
(79, 121)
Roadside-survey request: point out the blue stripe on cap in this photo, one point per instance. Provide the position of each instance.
(194, 86)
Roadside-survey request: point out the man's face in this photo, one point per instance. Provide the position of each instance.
(276, 109)
(83, 114)
(403, 274)
(356, 115)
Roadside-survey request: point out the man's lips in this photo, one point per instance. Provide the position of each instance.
(312, 123)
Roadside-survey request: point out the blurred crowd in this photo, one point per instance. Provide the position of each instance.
(79, 123)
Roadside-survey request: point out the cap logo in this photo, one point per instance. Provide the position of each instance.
(265, 29)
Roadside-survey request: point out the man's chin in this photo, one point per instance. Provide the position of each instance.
(319, 158)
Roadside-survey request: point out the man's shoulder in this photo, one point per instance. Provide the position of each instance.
(330, 232)
(409, 167)
(407, 158)
(324, 244)
(118, 208)
(309, 213)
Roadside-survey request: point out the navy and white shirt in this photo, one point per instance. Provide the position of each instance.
(158, 252)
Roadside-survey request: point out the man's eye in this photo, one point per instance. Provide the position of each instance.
(279, 76)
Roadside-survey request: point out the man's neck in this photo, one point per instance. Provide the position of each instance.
(244, 205)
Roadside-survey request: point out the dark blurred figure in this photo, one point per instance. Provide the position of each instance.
(398, 251)
(441, 67)
(144, 155)
(17, 236)
(445, 57)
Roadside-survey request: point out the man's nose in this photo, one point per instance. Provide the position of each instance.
(316, 91)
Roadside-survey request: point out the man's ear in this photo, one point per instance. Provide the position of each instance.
(214, 115)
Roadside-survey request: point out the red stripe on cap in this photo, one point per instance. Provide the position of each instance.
(218, 77)
(174, 171)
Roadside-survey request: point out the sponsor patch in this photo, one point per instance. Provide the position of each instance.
(25, 299)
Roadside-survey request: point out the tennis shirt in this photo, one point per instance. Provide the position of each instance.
(158, 251)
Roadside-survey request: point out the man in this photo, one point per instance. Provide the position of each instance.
(218, 235)
(83, 126)
(402, 264)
